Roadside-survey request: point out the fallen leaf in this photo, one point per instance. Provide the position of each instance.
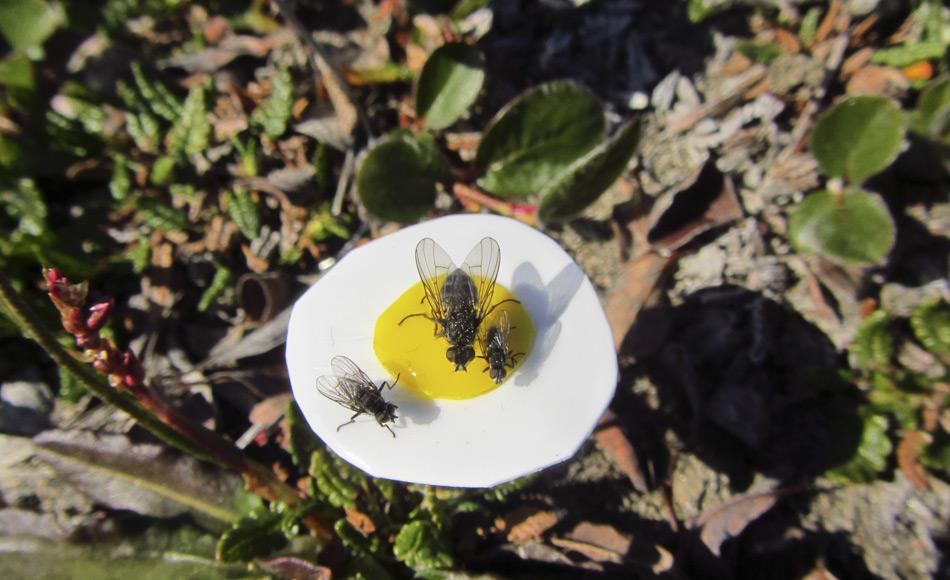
(614, 443)
(907, 452)
(296, 568)
(270, 410)
(876, 80)
(528, 523)
(592, 552)
(728, 520)
(601, 535)
(360, 521)
(632, 289)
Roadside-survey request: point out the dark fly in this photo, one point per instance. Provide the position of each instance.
(495, 349)
(459, 298)
(353, 389)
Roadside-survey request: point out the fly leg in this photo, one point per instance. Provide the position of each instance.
(352, 420)
(405, 318)
(499, 304)
(390, 430)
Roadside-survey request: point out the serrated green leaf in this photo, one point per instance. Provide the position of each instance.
(156, 96)
(330, 482)
(243, 212)
(449, 84)
(161, 216)
(873, 344)
(26, 205)
(28, 23)
(257, 534)
(140, 254)
(587, 178)
(272, 115)
(858, 137)
(163, 170)
(121, 183)
(931, 117)
(219, 283)
(931, 325)
(419, 545)
(397, 178)
(502, 492)
(536, 136)
(870, 458)
(191, 133)
(854, 227)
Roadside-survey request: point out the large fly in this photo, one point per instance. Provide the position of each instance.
(495, 349)
(353, 389)
(460, 298)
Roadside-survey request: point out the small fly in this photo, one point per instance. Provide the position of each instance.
(459, 298)
(495, 349)
(353, 389)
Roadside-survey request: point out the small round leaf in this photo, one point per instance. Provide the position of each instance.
(854, 227)
(397, 178)
(449, 84)
(584, 181)
(858, 137)
(536, 136)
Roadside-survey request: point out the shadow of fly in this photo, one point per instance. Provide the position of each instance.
(460, 298)
(353, 389)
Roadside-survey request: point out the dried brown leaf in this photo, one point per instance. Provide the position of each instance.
(907, 452)
(270, 410)
(630, 292)
(601, 535)
(360, 521)
(728, 520)
(295, 568)
(528, 523)
(614, 443)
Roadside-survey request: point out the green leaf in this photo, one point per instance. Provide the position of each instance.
(145, 478)
(191, 133)
(449, 84)
(140, 254)
(587, 178)
(219, 283)
(257, 534)
(16, 71)
(870, 459)
(161, 216)
(272, 115)
(28, 23)
(121, 183)
(536, 136)
(931, 118)
(420, 546)
(908, 54)
(70, 388)
(330, 481)
(931, 325)
(858, 137)
(163, 170)
(397, 178)
(854, 227)
(156, 96)
(243, 212)
(303, 442)
(763, 52)
(26, 205)
(873, 344)
(809, 25)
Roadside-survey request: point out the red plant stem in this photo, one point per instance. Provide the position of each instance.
(472, 197)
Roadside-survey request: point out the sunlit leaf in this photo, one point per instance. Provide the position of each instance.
(219, 283)
(858, 137)
(397, 178)
(870, 459)
(449, 83)
(243, 212)
(145, 478)
(27, 23)
(873, 343)
(257, 534)
(536, 136)
(587, 178)
(853, 227)
(273, 114)
(931, 325)
(419, 545)
(161, 216)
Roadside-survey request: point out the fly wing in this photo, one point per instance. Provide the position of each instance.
(337, 390)
(434, 266)
(481, 265)
(504, 329)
